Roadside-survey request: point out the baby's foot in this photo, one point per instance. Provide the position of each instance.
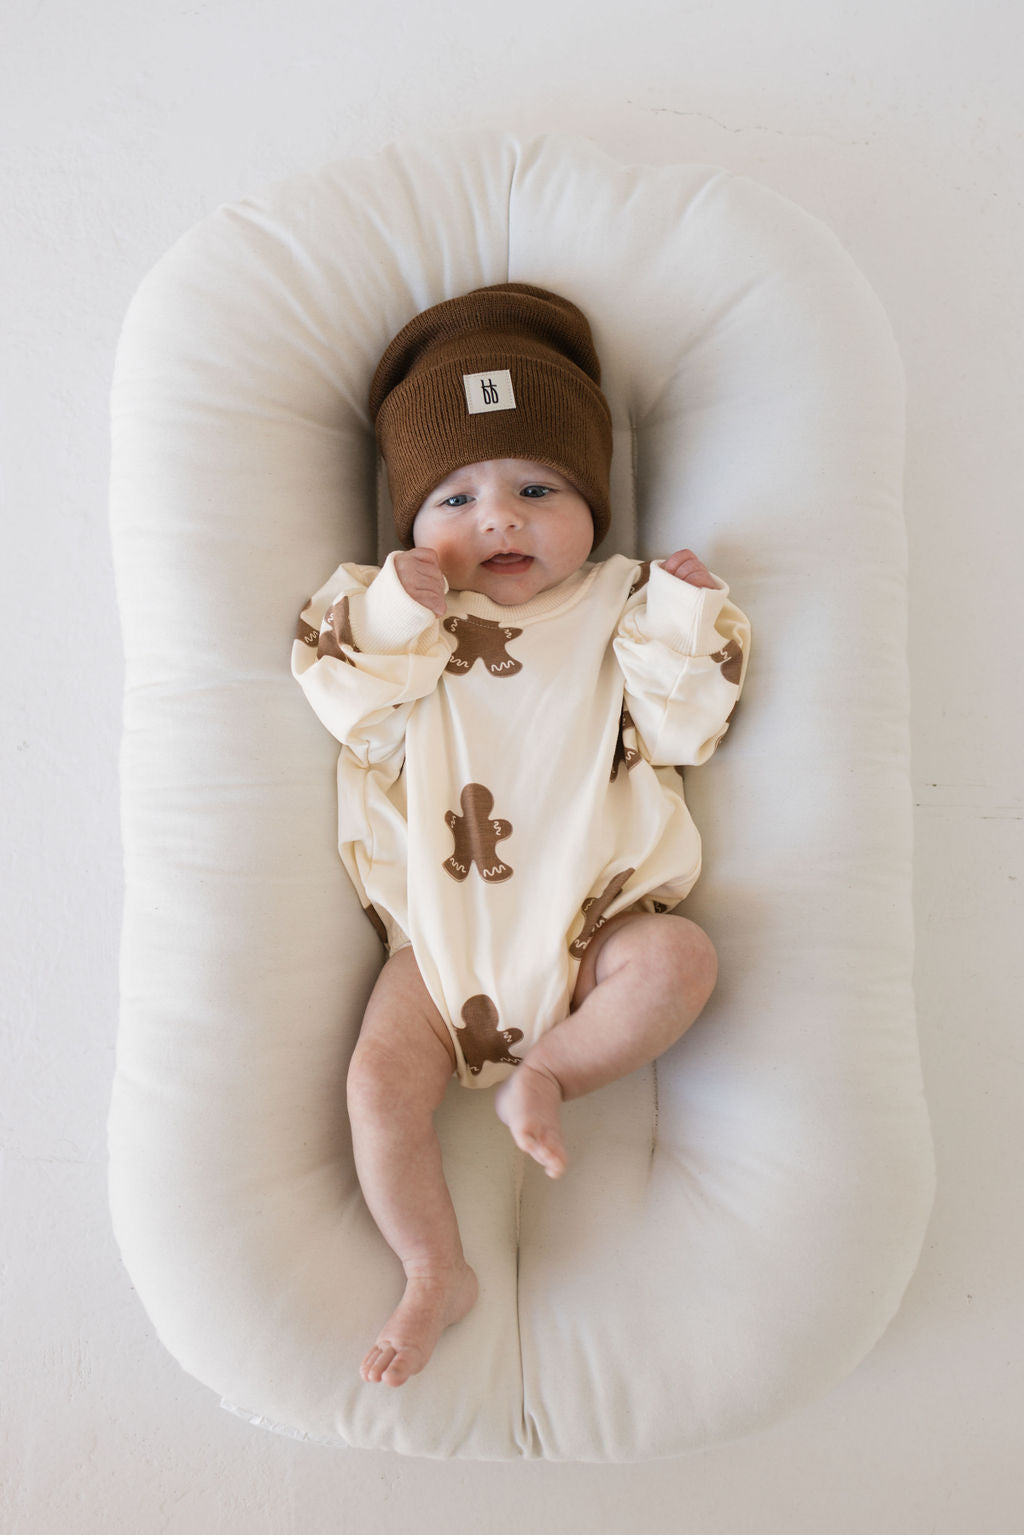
(406, 1341)
(530, 1103)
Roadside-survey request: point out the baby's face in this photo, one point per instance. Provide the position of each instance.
(508, 528)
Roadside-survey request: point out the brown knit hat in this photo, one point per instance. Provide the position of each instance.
(503, 372)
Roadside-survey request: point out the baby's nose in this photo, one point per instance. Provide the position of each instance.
(503, 512)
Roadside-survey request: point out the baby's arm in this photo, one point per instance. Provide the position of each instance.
(683, 649)
(364, 652)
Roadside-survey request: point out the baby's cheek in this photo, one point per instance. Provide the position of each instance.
(454, 563)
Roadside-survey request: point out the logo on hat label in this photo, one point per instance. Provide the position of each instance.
(489, 391)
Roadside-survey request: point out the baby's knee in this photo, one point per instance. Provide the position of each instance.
(699, 957)
(694, 959)
(404, 1054)
(372, 1081)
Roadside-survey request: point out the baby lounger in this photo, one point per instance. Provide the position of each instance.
(739, 1223)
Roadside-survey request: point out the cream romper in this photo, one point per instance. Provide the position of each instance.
(511, 777)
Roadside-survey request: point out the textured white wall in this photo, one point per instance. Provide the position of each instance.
(122, 125)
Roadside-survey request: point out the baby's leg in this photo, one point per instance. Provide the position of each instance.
(398, 1075)
(643, 981)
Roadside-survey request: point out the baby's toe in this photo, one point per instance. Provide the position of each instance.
(401, 1367)
(377, 1361)
(548, 1150)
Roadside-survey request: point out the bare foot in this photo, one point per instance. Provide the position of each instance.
(406, 1341)
(530, 1103)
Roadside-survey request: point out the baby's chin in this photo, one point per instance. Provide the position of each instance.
(510, 582)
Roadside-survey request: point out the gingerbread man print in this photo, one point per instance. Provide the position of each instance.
(731, 661)
(641, 579)
(594, 911)
(626, 750)
(483, 1039)
(482, 639)
(476, 835)
(305, 632)
(377, 923)
(335, 632)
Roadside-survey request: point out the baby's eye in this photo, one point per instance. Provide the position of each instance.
(458, 500)
(536, 490)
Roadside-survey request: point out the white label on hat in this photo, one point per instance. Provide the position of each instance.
(489, 391)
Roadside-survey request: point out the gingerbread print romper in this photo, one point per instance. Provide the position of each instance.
(510, 777)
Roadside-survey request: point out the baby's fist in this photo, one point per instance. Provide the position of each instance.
(419, 571)
(685, 566)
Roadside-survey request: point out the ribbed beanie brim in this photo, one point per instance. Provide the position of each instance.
(419, 396)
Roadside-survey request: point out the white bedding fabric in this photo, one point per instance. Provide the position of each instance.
(739, 1225)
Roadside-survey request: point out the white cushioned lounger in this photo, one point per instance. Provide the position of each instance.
(739, 1224)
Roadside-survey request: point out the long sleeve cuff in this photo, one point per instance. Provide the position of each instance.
(387, 621)
(684, 616)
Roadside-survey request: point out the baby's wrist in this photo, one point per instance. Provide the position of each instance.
(389, 620)
(683, 615)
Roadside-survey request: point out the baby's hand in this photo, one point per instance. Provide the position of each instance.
(685, 566)
(419, 571)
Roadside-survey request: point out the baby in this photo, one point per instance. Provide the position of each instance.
(514, 719)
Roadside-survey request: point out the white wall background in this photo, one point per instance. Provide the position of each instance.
(896, 121)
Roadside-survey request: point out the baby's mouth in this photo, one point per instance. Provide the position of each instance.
(511, 562)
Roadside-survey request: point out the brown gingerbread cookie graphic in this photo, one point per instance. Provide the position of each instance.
(641, 579)
(335, 632)
(483, 1039)
(594, 910)
(476, 835)
(731, 661)
(482, 639)
(626, 750)
(305, 632)
(377, 923)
